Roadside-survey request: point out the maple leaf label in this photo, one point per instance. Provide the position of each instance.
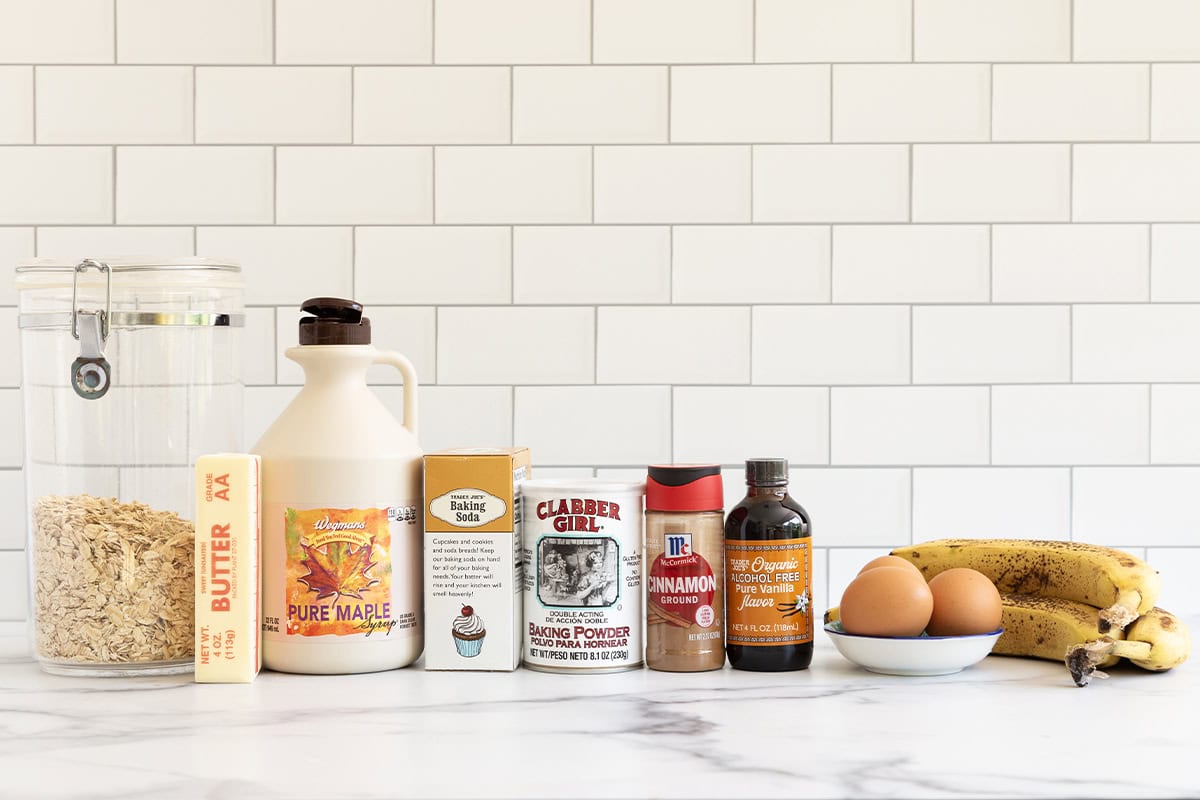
(339, 571)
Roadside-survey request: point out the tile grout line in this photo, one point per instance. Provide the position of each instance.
(33, 132)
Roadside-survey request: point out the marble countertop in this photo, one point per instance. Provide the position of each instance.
(1003, 728)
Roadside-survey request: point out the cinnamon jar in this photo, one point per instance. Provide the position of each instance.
(685, 606)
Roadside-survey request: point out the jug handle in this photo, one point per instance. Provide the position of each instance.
(405, 366)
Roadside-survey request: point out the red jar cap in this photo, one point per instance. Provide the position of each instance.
(684, 487)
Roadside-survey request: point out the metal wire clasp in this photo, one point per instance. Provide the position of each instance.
(99, 266)
(91, 374)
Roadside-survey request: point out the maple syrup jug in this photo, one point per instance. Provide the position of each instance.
(341, 508)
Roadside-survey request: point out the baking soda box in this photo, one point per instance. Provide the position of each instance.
(473, 558)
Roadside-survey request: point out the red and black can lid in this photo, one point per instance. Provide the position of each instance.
(684, 487)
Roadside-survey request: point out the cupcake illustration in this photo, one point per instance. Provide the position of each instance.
(468, 633)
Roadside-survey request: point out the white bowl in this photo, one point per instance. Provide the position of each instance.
(912, 655)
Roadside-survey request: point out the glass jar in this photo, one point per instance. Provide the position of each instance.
(130, 370)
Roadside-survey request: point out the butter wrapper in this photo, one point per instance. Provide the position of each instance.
(227, 568)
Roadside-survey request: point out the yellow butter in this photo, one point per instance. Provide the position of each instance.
(227, 568)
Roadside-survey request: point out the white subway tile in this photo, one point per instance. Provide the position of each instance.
(56, 31)
(904, 425)
(991, 344)
(833, 30)
(594, 425)
(1070, 425)
(16, 245)
(592, 264)
(512, 32)
(855, 507)
(262, 405)
(11, 447)
(750, 103)
(831, 344)
(410, 330)
(516, 345)
(992, 183)
(10, 352)
(283, 264)
(184, 32)
(431, 105)
(672, 31)
(1177, 568)
(1175, 113)
(514, 184)
(45, 185)
(910, 263)
(1004, 503)
(12, 495)
(684, 183)
(1175, 251)
(1070, 102)
(16, 105)
(1146, 506)
(354, 185)
(1137, 342)
(14, 583)
(590, 105)
(750, 264)
(114, 105)
(1137, 182)
(1150, 30)
(910, 102)
(577, 473)
(113, 240)
(456, 265)
(272, 105)
(1070, 263)
(729, 424)
(465, 416)
(194, 185)
(1174, 424)
(830, 183)
(258, 352)
(353, 32)
(992, 30)
(673, 345)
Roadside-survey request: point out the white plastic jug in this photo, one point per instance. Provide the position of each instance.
(341, 509)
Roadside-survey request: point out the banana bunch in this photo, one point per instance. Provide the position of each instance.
(1088, 605)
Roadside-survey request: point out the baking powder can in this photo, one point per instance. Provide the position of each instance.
(582, 554)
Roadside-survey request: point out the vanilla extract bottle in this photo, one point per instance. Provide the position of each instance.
(768, 574)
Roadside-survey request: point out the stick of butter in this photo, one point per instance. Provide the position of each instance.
(227, 568)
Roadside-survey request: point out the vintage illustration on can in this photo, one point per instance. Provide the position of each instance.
(576, 571)
(339, 573)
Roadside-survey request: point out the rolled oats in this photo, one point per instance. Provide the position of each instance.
(113, 581)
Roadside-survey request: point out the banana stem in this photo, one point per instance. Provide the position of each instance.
(1121, 613)
(1081, 659)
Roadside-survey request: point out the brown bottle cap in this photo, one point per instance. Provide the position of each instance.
(334, 321)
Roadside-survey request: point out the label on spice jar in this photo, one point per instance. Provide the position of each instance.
(340, 564)
(681, 585)
(769, 587)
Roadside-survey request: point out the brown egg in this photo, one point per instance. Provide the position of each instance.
(890, 561)
(964, 602)
(887, 601)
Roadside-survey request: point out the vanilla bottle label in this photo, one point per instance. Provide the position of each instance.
(769, 591)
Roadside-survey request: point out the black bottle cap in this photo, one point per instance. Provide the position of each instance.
(766, 471)
(334, 321)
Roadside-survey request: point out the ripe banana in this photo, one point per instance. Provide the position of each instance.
(1157, 641)
(1122, 586)
(1045, 627)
